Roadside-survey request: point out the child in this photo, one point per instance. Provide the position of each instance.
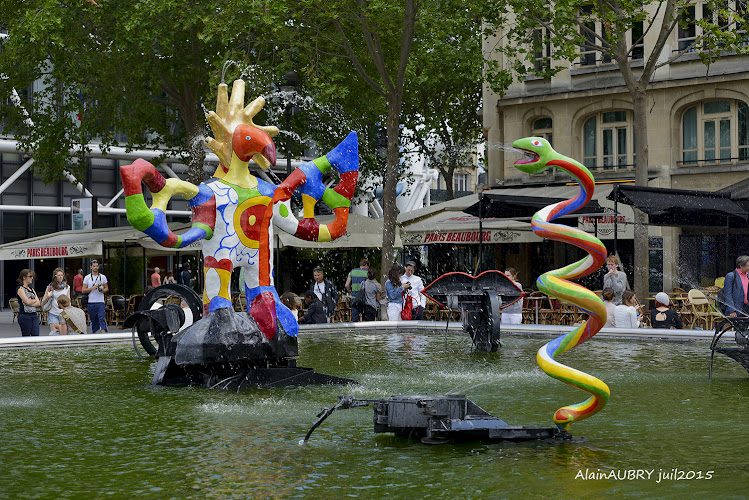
(74, 318)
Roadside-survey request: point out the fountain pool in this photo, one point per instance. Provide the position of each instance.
(86, 422)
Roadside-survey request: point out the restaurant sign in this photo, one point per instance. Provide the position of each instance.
(462, 237)
(52, 251)
(606, 225)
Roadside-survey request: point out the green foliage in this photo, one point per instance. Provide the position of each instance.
(444, 87)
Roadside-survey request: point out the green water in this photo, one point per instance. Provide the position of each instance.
(86, 423)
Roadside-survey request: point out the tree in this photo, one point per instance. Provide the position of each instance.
(373, 40)
(570, 27)
(132, 73)
(443, 93)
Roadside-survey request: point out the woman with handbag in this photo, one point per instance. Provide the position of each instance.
(395, 290)
(27, 317)
(372, 294)
(57, 288)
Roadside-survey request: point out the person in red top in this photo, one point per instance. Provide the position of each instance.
(156, 277)
(78, 283)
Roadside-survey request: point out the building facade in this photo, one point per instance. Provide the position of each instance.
(697, 131)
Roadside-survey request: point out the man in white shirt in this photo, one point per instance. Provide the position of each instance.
(417, 286)
(96, 285)
(325, 292)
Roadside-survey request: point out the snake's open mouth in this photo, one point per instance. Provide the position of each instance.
(530, 157)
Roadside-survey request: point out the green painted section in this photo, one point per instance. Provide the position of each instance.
(322, 164)
(138, 214)
(243, 193)
(207, 229)
(283, 211)
(335, 200)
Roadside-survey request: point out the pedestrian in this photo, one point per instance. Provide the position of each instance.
(414, 291)
(28, 319)
(626, 314)
(156, 277)
(513, 314)
(395, 289)
(608, 301)
(185, 277)
(315, 313)
(169, 279)
(735, 287)
(662, 316)
(78, 283)
(96, 285)
(372, 294)
(56, 289)
(356, 277)
(615, 279)
(72, 319)
(325, 292)
(289, 300)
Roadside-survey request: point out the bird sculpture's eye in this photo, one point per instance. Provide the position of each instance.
(247, 137)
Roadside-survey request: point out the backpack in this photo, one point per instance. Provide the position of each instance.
(360, 299)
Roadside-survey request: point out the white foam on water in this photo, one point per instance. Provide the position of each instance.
(19, 403)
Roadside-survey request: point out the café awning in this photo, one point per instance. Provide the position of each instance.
(89, 243)
(513, 206)
(679, 207)
(509, 214)
(66, 244)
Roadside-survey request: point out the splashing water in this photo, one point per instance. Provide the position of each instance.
(514, 153)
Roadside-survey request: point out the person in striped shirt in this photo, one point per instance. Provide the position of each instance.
(356, 277)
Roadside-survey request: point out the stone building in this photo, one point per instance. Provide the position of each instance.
(698, 139)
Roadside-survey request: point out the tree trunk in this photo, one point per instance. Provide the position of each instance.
(389, 207)
(449, 186)
(642, 255)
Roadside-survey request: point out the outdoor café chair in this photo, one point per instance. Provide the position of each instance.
(702, 311)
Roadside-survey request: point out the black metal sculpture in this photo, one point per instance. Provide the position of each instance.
(220, 350)
(480, 299)
(740, 327)
(439, 419)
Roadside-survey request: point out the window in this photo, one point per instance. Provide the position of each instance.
(541, 50)
(715, 132)
(588, 32)
(542, 128)
(591, 29)
(460, 182)
(689, 29)
(638, 41)
(608, 141)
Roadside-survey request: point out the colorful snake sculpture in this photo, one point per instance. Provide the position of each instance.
(234, 212)
(556, 283)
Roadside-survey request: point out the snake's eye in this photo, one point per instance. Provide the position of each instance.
(537, 143)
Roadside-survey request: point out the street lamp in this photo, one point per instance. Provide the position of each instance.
(290, 84)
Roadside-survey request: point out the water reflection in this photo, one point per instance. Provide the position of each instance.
(87, 423)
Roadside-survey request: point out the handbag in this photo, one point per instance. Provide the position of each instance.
(47, 306)
(408, 308)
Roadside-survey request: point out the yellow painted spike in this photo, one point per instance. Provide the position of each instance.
(173, 187)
